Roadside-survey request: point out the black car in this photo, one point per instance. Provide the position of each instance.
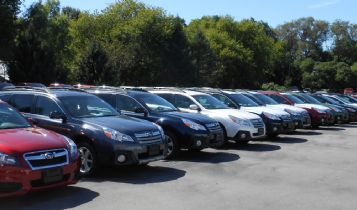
(103, 136)
(183, 130)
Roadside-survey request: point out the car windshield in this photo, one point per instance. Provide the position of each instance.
(87, 106)
(332, 100)
(253, 98)
(311, 99)
(320, 99)
(294, 99)
(348, 98)
(156, 103)
(210, 102)
(243, 100)
(265, 99)
(10, 118)
(280, 99)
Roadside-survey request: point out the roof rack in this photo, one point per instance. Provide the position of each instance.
(103, 88)
(26, 88)
(142, 89)
(205, 89)
(66, 89)
(163, 88)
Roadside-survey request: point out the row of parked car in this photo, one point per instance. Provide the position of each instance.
(50, 137)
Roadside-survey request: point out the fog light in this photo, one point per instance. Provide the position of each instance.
(275, 129)
(198, 143)
(243, 136)
(296, 123)
(322, 120)
(121, 158)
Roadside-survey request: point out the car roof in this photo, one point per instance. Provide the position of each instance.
(51, 92)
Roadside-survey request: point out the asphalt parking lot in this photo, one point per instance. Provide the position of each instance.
(311, 169)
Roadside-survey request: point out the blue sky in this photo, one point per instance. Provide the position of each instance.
(274, 12)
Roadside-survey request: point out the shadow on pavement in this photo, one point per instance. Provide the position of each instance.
(62, 198)
(330, 129)
(347, 125)
(306, 132)
(253, 147)
(207, 157)
(287, 140)
(136, 174)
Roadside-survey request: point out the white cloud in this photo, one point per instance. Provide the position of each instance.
(323, 4)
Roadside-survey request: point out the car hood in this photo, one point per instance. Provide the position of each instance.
(194, 117)
(315, 106)
(260, 109)
(123, 124)
(284, 106)
(19, 141)
(234, 112)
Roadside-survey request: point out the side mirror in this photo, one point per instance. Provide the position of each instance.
(194, 107)
(141, 110)
(58, 115)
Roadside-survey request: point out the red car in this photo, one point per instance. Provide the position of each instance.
(31, 158)
(317, 118)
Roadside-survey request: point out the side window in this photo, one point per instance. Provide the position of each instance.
(167, 96)
(225, 100)
(109, 98)
(23, 102)
(125, 103)
(183, 102)
(44, 106)
(5, 98)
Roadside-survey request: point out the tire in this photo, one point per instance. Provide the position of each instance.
(173, 145)
(88, 159)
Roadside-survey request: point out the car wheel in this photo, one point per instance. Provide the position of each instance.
(173, 146)
(88, 159)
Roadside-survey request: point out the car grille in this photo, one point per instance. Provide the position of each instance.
(214, 127)
(257, 123)
(47, 159)
(148, 137)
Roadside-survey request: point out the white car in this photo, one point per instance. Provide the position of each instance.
(300, 116)
(239, 125)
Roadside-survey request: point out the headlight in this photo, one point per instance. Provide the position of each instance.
(351, 110)
(240, 122)
(193, 125)
(271, 116)
(73, 150)
(116, 135)
(7, 160)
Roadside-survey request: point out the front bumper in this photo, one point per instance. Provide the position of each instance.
(279, 127)
(302, 122)
(15, 181)
(138, 154)
(246, 135)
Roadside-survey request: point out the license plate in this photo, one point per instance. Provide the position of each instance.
(52, 175)
(154, 150)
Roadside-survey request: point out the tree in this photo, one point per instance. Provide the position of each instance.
(8, 12)
(344, 41)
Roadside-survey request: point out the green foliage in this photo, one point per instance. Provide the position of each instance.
(273, 86)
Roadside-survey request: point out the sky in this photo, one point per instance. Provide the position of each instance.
(274, 12)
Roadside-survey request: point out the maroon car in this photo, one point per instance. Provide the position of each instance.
(31, 158)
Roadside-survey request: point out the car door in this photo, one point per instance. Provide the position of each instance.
(129, 106)
(43, 107)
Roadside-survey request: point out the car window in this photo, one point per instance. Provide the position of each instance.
(210, 102)
(167, 96)
(23, 102)
(225, 100)
(125, 103)
(10, 118)
(5, 98)
(183, 102)
(44, 106)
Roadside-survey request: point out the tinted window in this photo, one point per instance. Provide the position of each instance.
(225, 100)
(156, 103)
(125, 103)
(243, 100)
(183, 102)
(109, 98)
(279, 99)
(210, 102)
(23, 102)
(44, 106)
(294, 99)
(253, 98)
(5, 98)
(265, 99)
(87, 106)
